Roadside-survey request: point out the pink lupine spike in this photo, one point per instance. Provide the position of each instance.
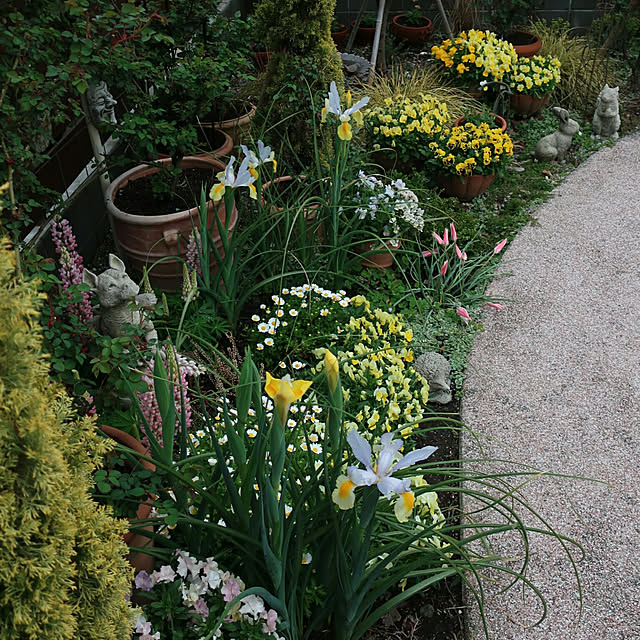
(494, 305)
(445, 236)
(443, 268)
(438, 239)
(500, 246)
(454, 235)
(464, 314)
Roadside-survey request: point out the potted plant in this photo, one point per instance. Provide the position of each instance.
(478, 117)
(531, 82)
(339, 33)
(383, 212)
(367, 28)
(403, 128)
(525, 43)
(466, 159)
(413, 26)
(475, 57)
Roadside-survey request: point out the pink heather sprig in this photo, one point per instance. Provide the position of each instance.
(71, 269)
(149, 403)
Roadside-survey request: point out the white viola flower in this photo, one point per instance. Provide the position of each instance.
(252, 606)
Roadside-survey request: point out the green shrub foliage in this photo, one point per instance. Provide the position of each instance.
(62, 566)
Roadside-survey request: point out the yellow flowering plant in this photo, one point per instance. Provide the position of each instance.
(535, 76)
(476, 56)
(406, 125)
(471, 149)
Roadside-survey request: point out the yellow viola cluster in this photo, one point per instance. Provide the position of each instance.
(535, 76)
(406, 124)
(471, 149)
(476, 56)
(382, 390)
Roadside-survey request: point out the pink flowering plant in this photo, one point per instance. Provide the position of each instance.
(452, 277)
(191, 599)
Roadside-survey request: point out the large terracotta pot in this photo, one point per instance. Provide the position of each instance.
(146, 239)
(526, 105)
(501, 123)
(414, 35)
(138, 560)
(220, 140)
(364, 35)
(465, 188)
(309, 212)
(381, 256)
(526, 44)
(238, 128)
(340, 36)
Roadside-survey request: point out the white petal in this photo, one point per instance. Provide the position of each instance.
(387, 454)
(414, 456)
(360, 447)
(362, 477)
(334, 99)
(390, 485)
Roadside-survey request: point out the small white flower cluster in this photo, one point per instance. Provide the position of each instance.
(388, 205)
(202, 582)
(290, 303)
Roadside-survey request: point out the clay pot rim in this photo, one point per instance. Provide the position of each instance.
(428, 25)
(353, 22)
(231, 122)
(144, 170)
(343, 31)
(534, 39)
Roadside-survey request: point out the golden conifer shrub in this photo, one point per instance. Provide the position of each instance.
(62, 559)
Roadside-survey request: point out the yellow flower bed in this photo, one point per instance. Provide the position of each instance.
(407, 125)
(535, 76)
(475, 56)
(471, 149)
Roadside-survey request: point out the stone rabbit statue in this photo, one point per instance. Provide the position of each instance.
(556, 145)
(436, 370)
(116, 291)
(606, 118)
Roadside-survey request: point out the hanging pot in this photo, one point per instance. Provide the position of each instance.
(138, 559)
(465, 188)
(147, 239)
(526, 105)
(413, 35)
(378, 255)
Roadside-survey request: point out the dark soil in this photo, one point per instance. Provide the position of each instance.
(519, 38)
(141, 197)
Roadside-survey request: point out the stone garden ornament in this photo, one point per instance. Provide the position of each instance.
(116, 292)
(436, 370)
(101, 104)
(556, 145)
(606, 118)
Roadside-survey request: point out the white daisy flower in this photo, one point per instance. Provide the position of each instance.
(268, 342)
(263, 327)
(293, 313)
(282, 365)
(303, 446)
(297, 365)
(291, 423)
(316, 409)
(290, 448)
(260, 346)
(279, 313)
(304, 305)
(306, 287)
(316, 448)
(343, 303)
(313, 437)
(285, 292)
(263, 306)
(324, 312)
(255, 318)
(252, 433)
(306, 558)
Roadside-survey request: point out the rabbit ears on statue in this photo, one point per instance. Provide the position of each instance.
(90, 278)
(561, 114)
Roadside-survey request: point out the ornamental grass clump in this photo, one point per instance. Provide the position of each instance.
(537, 76)
(471, 149)
(406, 125)
(476, 57)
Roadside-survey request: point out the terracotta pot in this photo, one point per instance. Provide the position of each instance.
(309, 212)
(465, 188)
(364, 35)
(339, 37)
(526, 44)
(414, 35)
(238, 128)
(382, 257)
(212, 136)
(501, 123)
(146, 239)
(139, 560)
(526, 105)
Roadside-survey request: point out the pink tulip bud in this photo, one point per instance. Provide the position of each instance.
(464, 256)
(494, 305)
(464, 314)
(446, 236)
(500, 246)
(454, 235)
(439, 240)
(443, 268)
(427, 254)
(458, 252)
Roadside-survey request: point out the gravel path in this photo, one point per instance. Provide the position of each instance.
(554, 381)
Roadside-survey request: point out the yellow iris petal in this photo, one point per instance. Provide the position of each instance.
(404, 506)
(343, 495)
(284, 391)
(252, 191)
(344, 131)
(217, 191)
